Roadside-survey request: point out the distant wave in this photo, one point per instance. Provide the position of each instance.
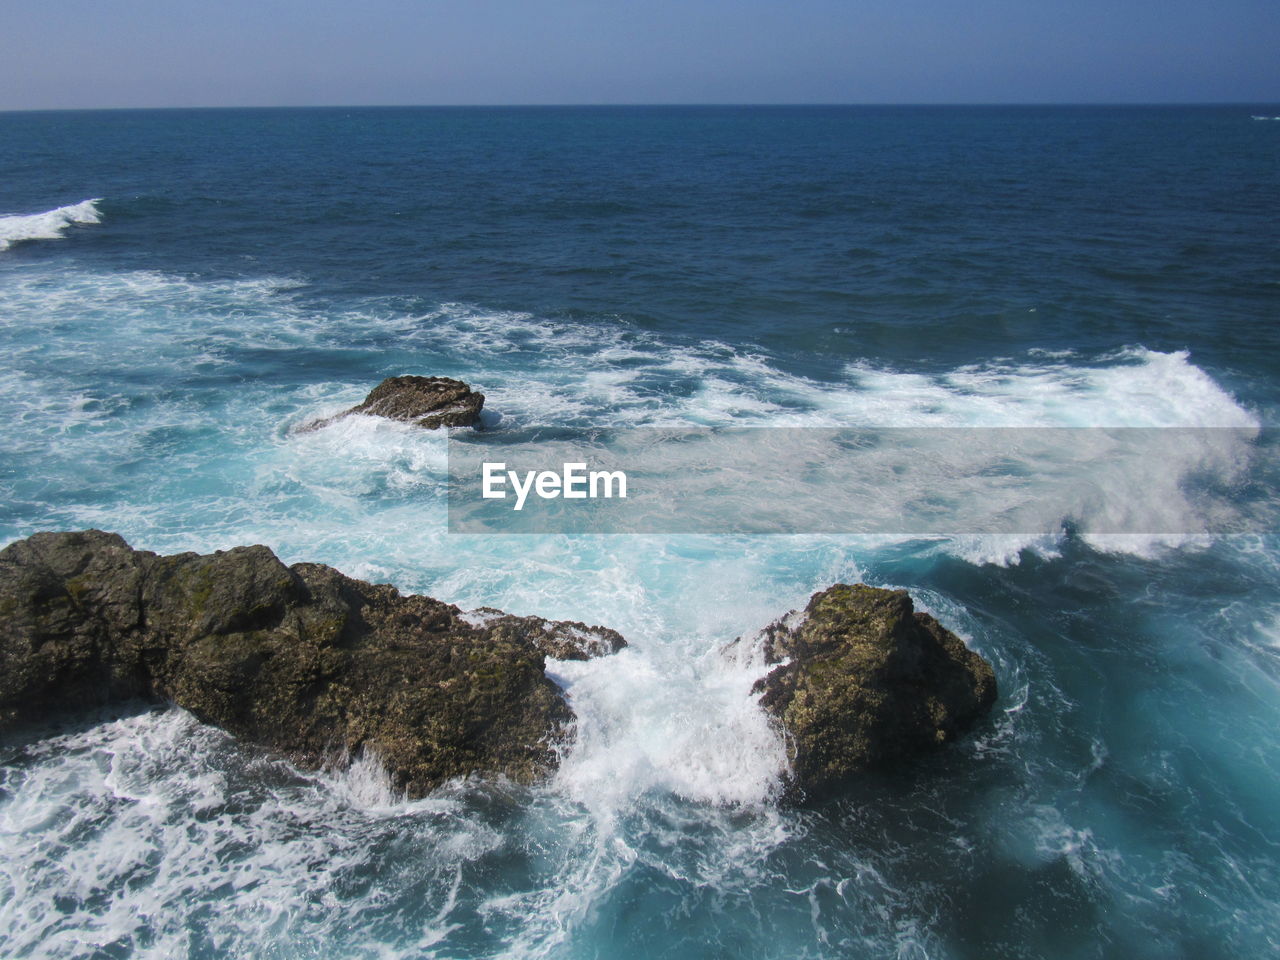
(48, 225)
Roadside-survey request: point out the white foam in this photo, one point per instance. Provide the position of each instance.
(154, 833)
(49, 225)
(479, 618)
(367, 494)
(671, 746)
(640, 730)
(363, 781)
(1134, 387)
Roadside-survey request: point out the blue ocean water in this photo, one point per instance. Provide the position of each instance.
(180, 288)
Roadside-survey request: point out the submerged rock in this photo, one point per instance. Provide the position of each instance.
(864, 681)
(301, 660)
(428, 402)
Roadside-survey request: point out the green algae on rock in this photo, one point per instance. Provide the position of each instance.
(300, 660)
(317, 666)
(864, 681)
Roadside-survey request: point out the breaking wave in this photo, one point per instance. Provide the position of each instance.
(49, 225)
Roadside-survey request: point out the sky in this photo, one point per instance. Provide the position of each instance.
(163, 53)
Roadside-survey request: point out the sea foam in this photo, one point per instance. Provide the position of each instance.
(368, 495)
(137, 402)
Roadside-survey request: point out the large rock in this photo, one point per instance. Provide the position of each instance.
(317, 666)
(428, 402)
(864, 681)
(301, 659)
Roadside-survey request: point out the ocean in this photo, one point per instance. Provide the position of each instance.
(180, 289)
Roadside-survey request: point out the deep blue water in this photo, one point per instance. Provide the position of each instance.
(242, 271)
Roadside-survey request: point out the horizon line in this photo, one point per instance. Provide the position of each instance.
(655, 104)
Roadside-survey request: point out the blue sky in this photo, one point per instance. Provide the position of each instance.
(123, 53)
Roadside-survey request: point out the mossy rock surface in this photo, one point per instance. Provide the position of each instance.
(864, 681)
(317, 666)
(301, 660)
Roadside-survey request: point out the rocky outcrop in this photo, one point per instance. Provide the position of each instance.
(301, 660)
(428, 402)
(558, 639)
(864, 681)
(317, 666)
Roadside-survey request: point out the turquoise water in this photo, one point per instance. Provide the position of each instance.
(179, 289)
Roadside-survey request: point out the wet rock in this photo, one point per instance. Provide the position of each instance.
(317, 666)
(864, 681)
(301, 660)
(558, 639)
(428, 402)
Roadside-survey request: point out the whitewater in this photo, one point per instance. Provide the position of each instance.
(669, 740)
(49, 225)
(1121, 799)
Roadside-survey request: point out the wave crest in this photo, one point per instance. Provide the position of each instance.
(48, 225)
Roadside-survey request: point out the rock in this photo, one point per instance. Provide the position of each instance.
(317, 666)
(301, 660)
(428, 402)
(558, 639)
(863, 681)
(425, 401)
